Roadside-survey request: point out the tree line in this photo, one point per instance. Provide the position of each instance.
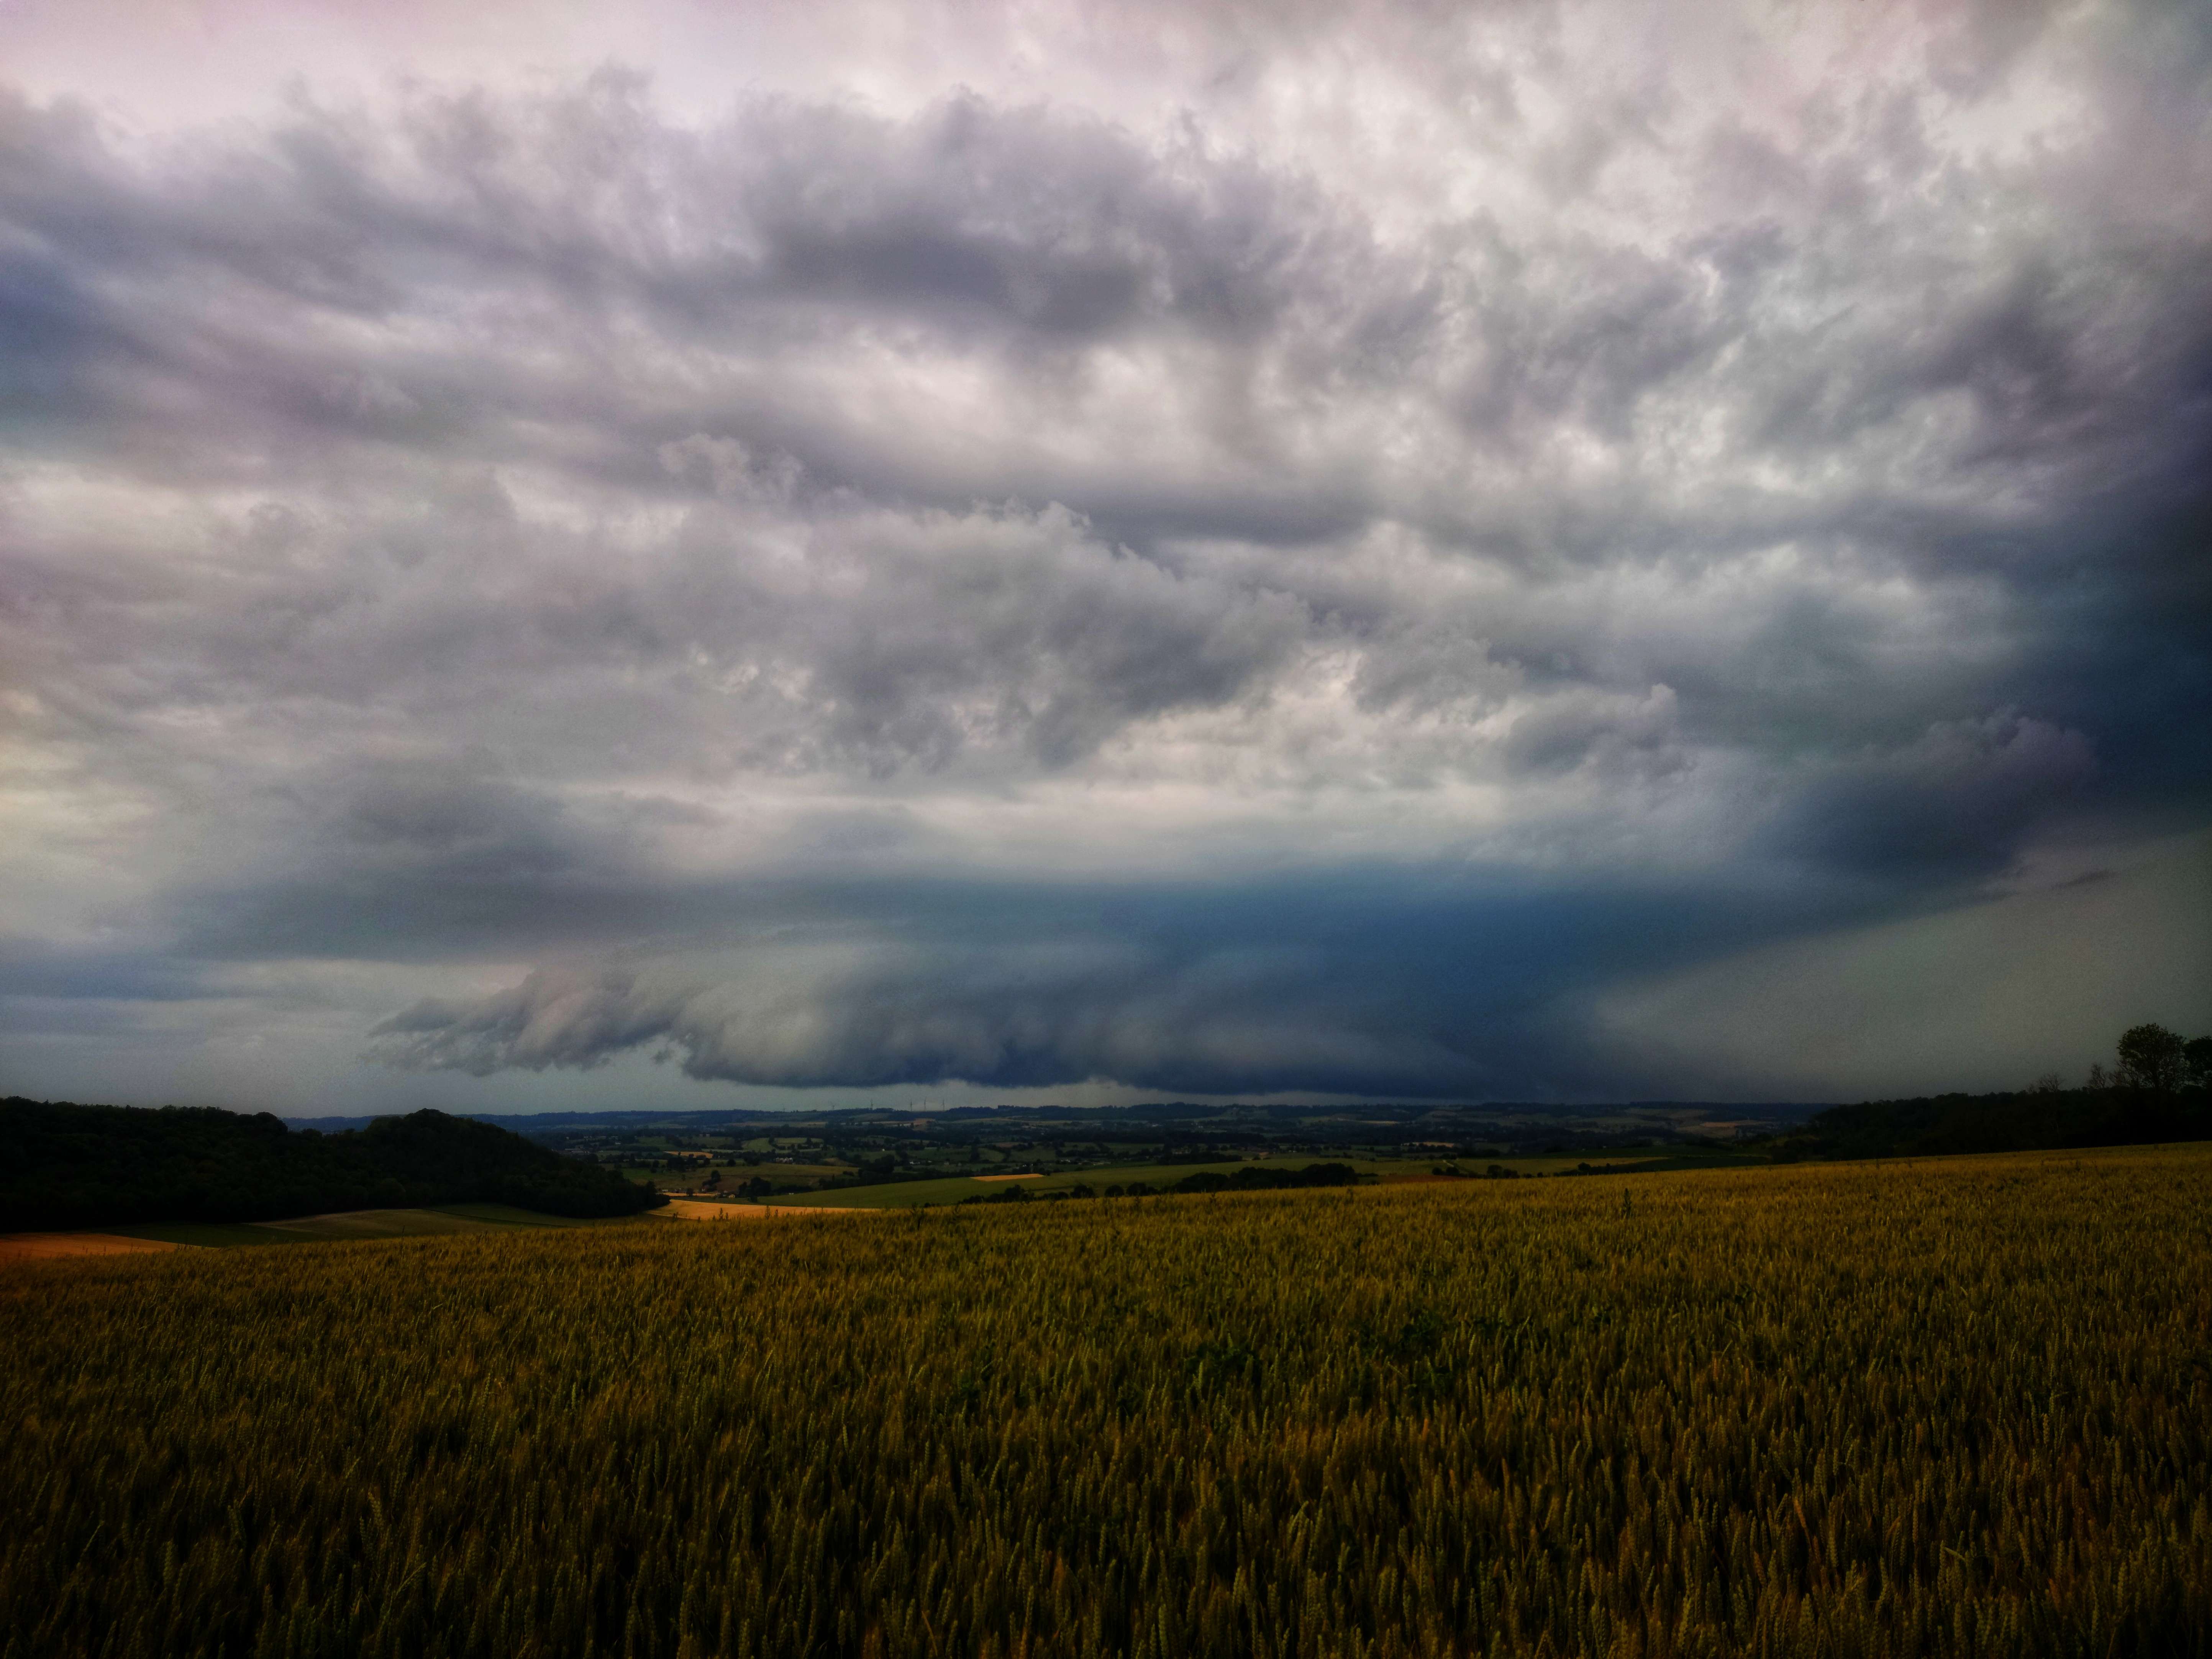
(90, 1166)
(2160, 1089)
(2151, 1057)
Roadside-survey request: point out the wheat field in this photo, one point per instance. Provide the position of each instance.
(1953, 1407)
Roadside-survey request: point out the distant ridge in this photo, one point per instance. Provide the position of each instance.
(1782, 1112)
(86, 1166)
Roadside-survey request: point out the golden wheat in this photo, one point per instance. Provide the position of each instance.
(1950, 1408)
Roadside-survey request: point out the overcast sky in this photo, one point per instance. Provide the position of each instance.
(750, 555)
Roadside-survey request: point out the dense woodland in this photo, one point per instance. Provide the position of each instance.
(81, 1166)
(2027, 1121)
(2159, 1090)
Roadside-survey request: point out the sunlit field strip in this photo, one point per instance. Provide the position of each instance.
(1950, 1407)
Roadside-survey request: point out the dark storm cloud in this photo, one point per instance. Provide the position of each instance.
(486, 528)
(1017, 1017)
(1413, 983)
(1954, 801)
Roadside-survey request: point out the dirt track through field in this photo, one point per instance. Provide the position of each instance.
(688, 1209)
(46, 1247)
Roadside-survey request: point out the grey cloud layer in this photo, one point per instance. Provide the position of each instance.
(1016, 1016)
(531, 529)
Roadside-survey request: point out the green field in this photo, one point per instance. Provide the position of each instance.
(953, 1189)
(733, 1174)
(1955, 1407)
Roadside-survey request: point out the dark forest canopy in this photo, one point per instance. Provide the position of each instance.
(2161, 1091)
(2032, 1119)
(84, 1166)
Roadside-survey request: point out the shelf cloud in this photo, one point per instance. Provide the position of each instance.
(1300, 552)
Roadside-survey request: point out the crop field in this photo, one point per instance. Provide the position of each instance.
(786, 1172)
(1951, 1408)
(954, 1189)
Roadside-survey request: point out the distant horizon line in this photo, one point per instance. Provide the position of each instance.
(650, 1115)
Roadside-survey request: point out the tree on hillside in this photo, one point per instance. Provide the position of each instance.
(2196, 1061)
(2151, 1057)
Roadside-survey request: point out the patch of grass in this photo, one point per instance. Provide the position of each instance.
(507, 1215)
(208, 1234)
(381, 1223)
(360, 1224)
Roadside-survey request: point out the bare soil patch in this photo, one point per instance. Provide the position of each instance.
(687, 1209)
(43, 1247)
(1026, 1175)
